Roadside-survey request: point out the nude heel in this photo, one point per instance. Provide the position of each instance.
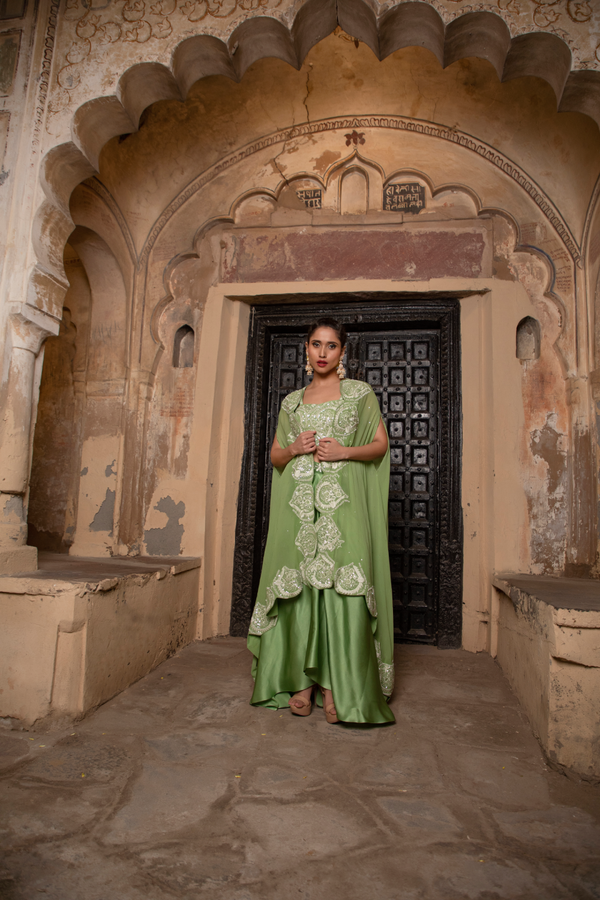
(331, 716)
(305, 709)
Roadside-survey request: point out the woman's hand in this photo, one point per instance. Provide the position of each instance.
(330, 450)
(304, 444)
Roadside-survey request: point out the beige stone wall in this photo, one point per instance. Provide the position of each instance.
(175, 226)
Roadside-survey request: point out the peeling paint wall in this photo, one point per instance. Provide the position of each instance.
(210, 194)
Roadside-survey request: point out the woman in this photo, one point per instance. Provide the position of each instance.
(323, 614)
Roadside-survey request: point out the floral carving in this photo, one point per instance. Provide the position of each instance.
(579, 10)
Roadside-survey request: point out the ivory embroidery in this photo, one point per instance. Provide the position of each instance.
(306, 541)
(328, 534)
(351, 580)
(303, 502)
(386, 672)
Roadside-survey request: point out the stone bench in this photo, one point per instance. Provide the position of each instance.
(76, 631)
(548, 645)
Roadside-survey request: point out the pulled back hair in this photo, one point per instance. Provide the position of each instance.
(328, 322)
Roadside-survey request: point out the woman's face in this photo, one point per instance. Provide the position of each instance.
(324, 350)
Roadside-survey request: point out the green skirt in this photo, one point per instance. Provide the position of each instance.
(324, 638)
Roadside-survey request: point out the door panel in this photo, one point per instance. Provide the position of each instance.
(402, 369)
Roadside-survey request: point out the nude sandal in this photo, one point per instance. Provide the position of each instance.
(305, 709)
(330, 713)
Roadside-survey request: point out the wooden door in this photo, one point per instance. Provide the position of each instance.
(401, 359)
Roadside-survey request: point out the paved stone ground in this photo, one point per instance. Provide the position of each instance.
(178, 788)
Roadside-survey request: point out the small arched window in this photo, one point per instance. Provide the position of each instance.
(183, 348)
(528, 338)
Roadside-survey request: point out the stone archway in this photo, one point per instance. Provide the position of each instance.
(167, 62)
(160, 260)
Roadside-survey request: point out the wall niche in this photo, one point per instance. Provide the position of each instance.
(528, 339)
(183, 348)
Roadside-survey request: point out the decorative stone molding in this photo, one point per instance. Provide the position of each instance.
(394, 123)
(30, 327)
(44, 76)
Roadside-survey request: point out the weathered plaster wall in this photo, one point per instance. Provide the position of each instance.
(109, 39)
(203, 199)
(182, 206)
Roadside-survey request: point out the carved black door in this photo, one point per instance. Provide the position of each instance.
(402, 363)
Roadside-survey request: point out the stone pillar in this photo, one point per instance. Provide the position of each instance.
(27, 333)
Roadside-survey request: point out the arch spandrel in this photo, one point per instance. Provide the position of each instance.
(160, 60)
(460, 95)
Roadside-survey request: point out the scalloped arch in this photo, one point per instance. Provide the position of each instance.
(415, 23)
(474, 34)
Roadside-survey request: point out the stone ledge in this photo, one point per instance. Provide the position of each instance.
(78, 631)
(58, 572)
(575, 594)
(16, 559)
(549, 649)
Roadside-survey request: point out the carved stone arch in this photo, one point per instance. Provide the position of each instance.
(312, 177)
(90, 207)
(528, 339)
(358, 163)
(248, 198)
(481, 34)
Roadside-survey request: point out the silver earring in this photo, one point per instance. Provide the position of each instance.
(341, 370)
(308, 367)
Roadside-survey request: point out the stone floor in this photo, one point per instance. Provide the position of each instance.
(178, 788)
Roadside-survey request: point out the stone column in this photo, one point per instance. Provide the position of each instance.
(28, 330)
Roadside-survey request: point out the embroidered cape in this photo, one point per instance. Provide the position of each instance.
(328, 521)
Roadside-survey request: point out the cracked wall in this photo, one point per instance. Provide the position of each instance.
(206, 193)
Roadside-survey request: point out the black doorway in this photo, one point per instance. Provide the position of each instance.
(408, 350)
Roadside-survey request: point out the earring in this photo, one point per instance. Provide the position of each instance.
(341, 370)
(308, 367)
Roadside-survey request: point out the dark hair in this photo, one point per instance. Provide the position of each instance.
(328, 322)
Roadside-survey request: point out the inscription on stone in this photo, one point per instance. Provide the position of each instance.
(407, 197)
(311, 198)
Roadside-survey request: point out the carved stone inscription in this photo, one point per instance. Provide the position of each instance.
(310, 198)
(405, 197)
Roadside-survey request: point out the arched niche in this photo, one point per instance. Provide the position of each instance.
(528, 339)
(183, 348)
